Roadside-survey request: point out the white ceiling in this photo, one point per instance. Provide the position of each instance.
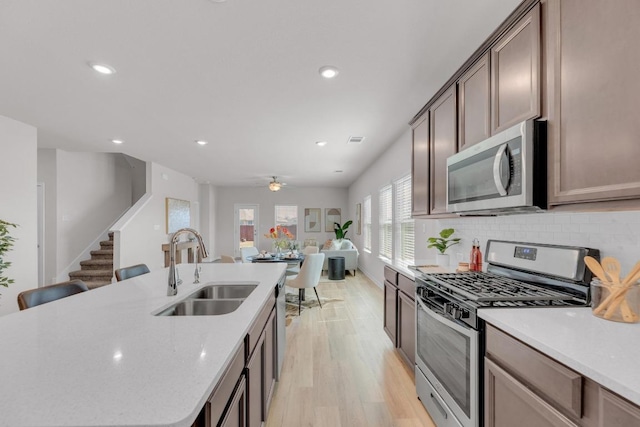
(242, 75)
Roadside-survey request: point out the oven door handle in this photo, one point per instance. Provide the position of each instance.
(440, 318)
(439, 405)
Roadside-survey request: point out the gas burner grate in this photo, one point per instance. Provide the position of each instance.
(494, 289)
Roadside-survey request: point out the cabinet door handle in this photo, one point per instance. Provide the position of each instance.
(439, 406)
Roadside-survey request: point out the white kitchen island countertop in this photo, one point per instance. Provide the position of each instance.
(101, 358)
(605, 351)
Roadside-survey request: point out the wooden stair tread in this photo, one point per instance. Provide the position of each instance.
(102, 252)
(97, 271)
(91, 273)
(97, 262)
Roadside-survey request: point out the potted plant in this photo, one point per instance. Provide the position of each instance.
(6, 243)
(341, 231)
(442, 243)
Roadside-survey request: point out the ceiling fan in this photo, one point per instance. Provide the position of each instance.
(275, 185)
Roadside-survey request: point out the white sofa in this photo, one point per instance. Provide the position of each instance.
(344, 248)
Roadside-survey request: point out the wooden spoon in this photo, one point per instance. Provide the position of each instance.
(596, 269)
(612, 267)
(631, 277)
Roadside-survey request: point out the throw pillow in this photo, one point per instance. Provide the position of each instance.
(346, 244)
(327, 245)
(336, 245)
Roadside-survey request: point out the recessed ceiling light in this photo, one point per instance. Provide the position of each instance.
(102, 68)
(321, 143)
(117, 141)
(328, 71)
(201, 142)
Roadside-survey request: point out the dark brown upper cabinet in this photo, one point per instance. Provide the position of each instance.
(474, 109)
(420, 167)
(442, 144)
(515, 73)
(592, 58)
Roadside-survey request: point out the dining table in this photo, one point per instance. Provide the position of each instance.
(299, 258)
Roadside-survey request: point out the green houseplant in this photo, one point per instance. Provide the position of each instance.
(6, 243)
(442, 243)
(341, 231)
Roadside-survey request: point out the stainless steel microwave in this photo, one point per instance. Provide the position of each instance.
(504, 174)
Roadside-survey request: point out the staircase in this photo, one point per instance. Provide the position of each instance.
(98, 270)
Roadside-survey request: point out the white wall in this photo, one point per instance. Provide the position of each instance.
(207, 229)
(94, 189)
(322, 198)
(85, 193)
(47, 174)
(143, 234)
(391, 165)
(18, 194)
(138, 177)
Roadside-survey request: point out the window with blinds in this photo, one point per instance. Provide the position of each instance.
(404, 225)
(386, 222)
(366, 220)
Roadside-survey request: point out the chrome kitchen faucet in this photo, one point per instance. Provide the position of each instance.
(172, 288)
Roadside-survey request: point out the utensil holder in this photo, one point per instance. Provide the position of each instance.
(623, 308)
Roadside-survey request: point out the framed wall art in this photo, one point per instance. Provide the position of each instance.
(331, 215)
(178, 214)
(358, 218)
(312, 222)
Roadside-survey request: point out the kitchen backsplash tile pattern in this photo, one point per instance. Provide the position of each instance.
(614, 233)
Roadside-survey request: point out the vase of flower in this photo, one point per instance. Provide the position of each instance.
(281, 238)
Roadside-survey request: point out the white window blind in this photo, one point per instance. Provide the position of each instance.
(366, 215)
(386, 222)
(404, 225)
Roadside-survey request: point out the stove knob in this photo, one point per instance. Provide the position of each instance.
(448, 307)
(456, 312)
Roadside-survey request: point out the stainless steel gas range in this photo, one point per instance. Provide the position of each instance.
(450, 335)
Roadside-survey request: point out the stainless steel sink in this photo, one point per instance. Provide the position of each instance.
(202, 307)
(223, 291)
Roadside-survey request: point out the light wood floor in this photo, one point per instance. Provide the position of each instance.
(340, 367)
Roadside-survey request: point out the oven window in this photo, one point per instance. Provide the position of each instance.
(446, 352)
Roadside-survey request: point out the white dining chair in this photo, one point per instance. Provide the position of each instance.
(308, 277)
(292, 271)
(227, 259)
(247, 252)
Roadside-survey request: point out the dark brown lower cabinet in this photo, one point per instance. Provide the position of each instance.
(510, 403)
(400, 314)
(255, 390)
(390, 310)
(243, 395)
(236, 415)
(407, 328)
(270, 360)
(526, 388)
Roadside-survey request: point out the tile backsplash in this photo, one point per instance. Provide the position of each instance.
(616, 234)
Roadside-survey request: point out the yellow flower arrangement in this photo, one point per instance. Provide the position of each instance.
(281, 236)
